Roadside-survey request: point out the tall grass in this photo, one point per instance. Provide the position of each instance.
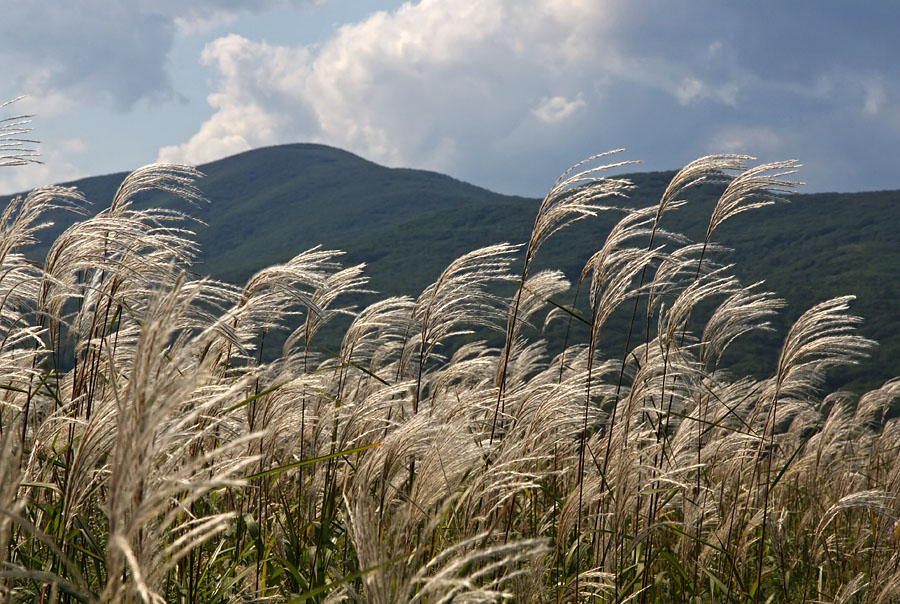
(149, 452)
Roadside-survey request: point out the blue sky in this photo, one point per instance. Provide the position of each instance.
(502, 93)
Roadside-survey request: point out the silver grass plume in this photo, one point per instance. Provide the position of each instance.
(14, 149)
(147, 532)
(273, 294)
(742, 312)
(460, 296)
(615, 265)
(346, 281)
(756, 187)
(574, 196)
(175, 179)
(822, 337)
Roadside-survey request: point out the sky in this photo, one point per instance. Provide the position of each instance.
(505, 94)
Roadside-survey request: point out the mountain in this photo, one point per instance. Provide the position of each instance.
(271, 203)
(407, 225)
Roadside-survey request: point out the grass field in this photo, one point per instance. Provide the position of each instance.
(150, 453)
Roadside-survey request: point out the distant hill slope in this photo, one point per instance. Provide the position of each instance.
(269, 204)
(407, 225)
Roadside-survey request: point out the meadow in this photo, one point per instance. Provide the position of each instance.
(151, 453)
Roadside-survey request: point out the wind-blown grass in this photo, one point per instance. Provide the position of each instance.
(150, 453)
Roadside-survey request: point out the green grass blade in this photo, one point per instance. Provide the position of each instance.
(305, 462)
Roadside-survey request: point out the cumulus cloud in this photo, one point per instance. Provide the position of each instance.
(439, 84)
(256, 105)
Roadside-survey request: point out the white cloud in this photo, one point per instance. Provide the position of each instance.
(195, 23)
(866, 92)
(874, 96)
(257, 105)
(424, 85)
(558, 108)
(488, 90)
(714, 49)
(200, 16)
(689, 90)
(467, 87)
(41, 98)
(741, 139)
(72, 146)
(237, 128)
